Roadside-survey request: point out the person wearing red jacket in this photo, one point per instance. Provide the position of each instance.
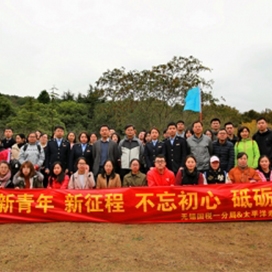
(58, 179)
(160, 175)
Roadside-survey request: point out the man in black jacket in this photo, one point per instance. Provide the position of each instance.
(224, 150)
(175, 149)
(263, 137)
(57, 149)
(8, 141)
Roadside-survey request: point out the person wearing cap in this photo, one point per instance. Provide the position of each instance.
(224, 150)
(57, 149)
(215, 174)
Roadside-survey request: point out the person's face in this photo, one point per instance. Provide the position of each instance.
(180, 126)
(71, 137)
(197, 128)
(230, 129)
(244, 134)
(141, 136)
(8, 133)
(18, 139)
(112, 131)
(104, 132)
(32, 138)
(148, 137)
(242, 161)
(135, 167)
(108, 167)
(44, 139)
(81, 165)
(129, 132)
(262, 125)
(215, 165)
(83, 138)
(93, 138)
(188, 134)
(38, 134)
(57, 169)
(4, 169)
(215, 125)
(154, 134)
(190, 164)
(26, 171)
(160, 163)
(59, 133)
(172, 131)
(114, 138)
(166, 135)
(208, 133)
(264, 163)
(222, 135)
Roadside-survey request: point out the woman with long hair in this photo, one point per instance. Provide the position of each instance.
(247, 145)
(27, 177)
(5, 175)
(189, 175)
(242, 173)
(82, 178)
(108, 178)
(264, 169)
(58, 179)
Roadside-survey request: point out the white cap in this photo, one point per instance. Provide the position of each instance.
(214, 159)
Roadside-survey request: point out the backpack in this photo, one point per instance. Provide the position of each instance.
(38, 146)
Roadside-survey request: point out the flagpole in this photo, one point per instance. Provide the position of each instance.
(200, 107)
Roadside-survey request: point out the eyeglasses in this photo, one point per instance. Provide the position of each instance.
(160, 161)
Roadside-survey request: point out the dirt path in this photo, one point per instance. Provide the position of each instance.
(151, 247)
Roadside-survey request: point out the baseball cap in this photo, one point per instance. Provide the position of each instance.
(214, 159)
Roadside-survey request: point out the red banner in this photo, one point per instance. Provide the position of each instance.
(213, 203)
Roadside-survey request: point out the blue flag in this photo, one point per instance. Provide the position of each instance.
(192, 100)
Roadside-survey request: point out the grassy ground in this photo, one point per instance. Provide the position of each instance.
(242, 246)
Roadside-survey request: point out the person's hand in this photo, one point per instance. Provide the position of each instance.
(87, 169)
(47, 171)
(16, 188)
(66, 171)
(252, 180)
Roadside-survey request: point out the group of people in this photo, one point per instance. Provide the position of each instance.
(189, 156)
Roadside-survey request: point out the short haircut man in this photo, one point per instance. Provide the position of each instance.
(160, 175)
(224, 150)
(175, 149)
(263, 137)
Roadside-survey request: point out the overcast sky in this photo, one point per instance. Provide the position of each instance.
(71, 43)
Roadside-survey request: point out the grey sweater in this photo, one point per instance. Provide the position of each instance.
(201, 148)
(32, 154)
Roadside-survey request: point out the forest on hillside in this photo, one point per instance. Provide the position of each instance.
(144, 98)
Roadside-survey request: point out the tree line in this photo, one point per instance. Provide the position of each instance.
(145, 98)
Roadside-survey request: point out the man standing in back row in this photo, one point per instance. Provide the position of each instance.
(104, 149)
(175, 149)
(200, 146)
(263, 137)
